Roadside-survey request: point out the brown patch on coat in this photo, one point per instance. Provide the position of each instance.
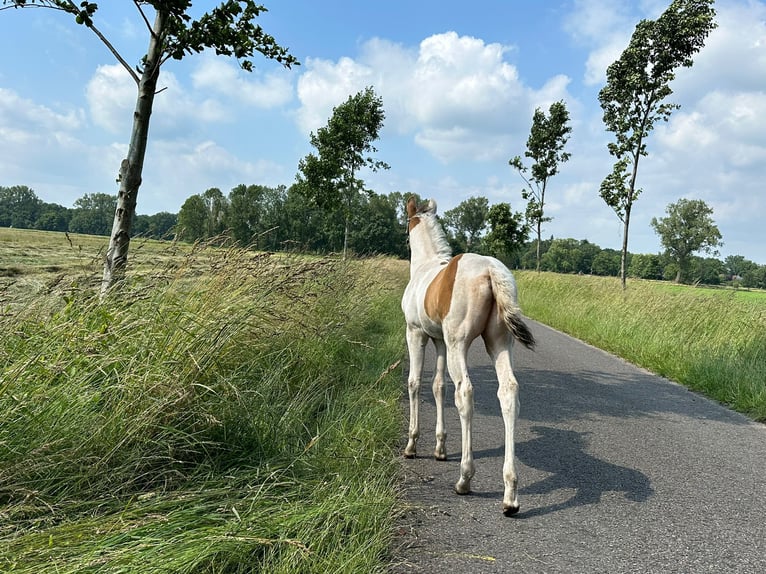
(439, 293)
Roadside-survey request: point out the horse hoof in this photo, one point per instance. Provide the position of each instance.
(440, 456)
(462, 490)
(510, 510)
(409, 455)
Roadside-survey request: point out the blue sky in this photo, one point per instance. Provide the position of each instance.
(459, 83)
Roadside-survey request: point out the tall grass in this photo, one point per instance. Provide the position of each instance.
(234, 418)
(711, 341)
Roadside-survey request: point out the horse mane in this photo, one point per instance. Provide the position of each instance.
(436, 232)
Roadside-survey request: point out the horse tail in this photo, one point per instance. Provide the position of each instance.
(504, 290)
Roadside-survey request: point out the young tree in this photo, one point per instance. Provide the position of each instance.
(329, 179)
(688, 228)
(545, 147)
(229, 29)
(637, 85)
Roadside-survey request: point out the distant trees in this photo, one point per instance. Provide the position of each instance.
(645, 266)
(688, 228)
(545, 147)
(467, 222)
(633, 98)
(279, 219)
(19, 206)
(158, 226)
(507, 232)
(93, 214)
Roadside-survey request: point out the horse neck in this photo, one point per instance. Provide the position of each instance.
(427, 247)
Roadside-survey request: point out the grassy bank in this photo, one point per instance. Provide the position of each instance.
(228, 413)
(712, 341)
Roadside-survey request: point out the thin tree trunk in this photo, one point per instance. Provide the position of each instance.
(624, 254)
(345, 236)
(538, 246)
(132, 167)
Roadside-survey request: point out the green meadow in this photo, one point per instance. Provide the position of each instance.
(710, 340)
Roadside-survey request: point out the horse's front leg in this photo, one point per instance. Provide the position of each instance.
(440, 452)
(416, 342)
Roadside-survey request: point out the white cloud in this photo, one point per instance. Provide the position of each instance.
(17, 112)
(221, 77)
(324, 85)
(178, 169)
(605, 27)
(456, 95)
(111, 94)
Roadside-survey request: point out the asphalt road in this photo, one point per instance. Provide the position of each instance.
(619, 471)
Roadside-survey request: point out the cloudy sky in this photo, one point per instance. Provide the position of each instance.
(459, 82)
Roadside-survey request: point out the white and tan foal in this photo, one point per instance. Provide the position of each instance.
(451, 301)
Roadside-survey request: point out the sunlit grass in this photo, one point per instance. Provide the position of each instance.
(712, 341)
(226, 412)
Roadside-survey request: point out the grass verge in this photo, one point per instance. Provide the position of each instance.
(235, 413)
(711, 341)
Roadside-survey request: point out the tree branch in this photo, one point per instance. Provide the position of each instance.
(115, 53)
(143, 16)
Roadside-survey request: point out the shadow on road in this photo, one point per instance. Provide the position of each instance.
(555, 397)
(563, 454)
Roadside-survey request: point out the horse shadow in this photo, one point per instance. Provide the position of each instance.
(562, 454)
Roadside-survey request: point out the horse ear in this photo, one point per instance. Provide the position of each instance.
(412, 206)
(431, 206)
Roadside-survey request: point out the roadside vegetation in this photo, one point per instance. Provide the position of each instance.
(710, 340)
(237, 411)
(229, 411)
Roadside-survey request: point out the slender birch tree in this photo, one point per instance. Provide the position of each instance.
(633, 99)
(545, 147)
(230, 29)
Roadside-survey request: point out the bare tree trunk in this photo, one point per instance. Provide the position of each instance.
(624, 254)
(132, 167)
(538, 246)
(345, 237)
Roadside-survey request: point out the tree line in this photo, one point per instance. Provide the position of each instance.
(281, 219)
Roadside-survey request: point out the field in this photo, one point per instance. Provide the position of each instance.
(226, 411)
(232, 411)
(710, 340)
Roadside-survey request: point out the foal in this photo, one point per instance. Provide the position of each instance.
(451, 301)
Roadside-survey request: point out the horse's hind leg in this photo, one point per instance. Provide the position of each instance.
(416, 342)
(458, 370)
(499, 345)
(440, 452)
